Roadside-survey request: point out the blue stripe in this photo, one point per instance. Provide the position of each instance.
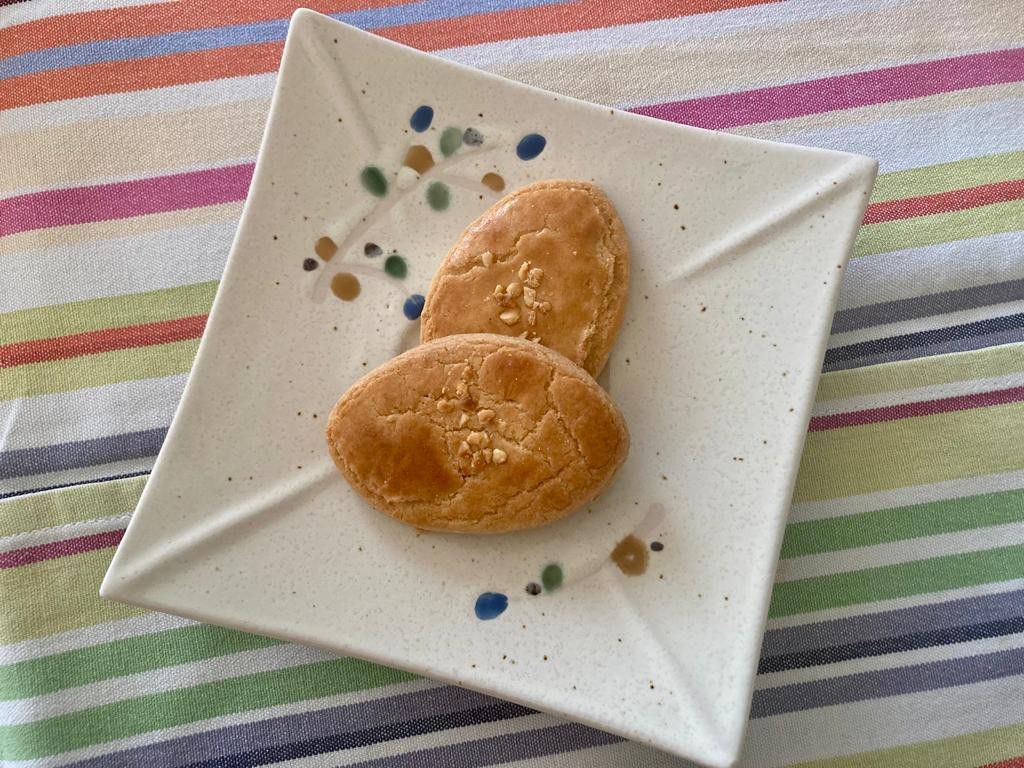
(125, 49)
(20, 462)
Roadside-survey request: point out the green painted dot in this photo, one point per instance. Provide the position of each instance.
(395, 266)
(451, 138)
(438, 195)
(374, 181)
(551, 577)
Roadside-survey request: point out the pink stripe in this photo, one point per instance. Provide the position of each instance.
(923, 408)
(104, 202)
(56, 549)
(860, 89)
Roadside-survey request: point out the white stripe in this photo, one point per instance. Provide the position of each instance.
(884, 277)
(817, 734)
(154, 100)
(881, 606)
(52, 480)
(925, 323)
(21, 13)
(62, 532)
(623, 754)
(98, 634)
(84, 414)
(890, 661)
(661, 32)
(200, 726)
(167, 258)
(901, 497)
(918, 395)
(900, 552)
(928, 139)
(159, 680)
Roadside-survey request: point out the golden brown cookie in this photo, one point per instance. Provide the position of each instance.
(479, 434)
(548, 262)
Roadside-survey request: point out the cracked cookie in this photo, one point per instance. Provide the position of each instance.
(477, 433)
(548, 263)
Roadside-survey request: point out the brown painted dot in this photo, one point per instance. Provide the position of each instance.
(309, 264)
(325, 248)
(345, 286)
(493, 182)
(419, 159)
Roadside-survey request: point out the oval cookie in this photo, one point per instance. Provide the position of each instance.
(477, 433)
(548, 262)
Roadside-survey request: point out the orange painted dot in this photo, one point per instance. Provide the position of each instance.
(493, 181)
(325, 248)
(345, 286)
(419, 159)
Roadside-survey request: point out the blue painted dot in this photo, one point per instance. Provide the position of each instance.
(421, 118)
(413, 306)
(531, 145)
(490, 605)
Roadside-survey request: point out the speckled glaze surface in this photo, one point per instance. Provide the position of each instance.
(642, 613)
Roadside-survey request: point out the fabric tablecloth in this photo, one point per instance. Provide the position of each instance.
(896, 628)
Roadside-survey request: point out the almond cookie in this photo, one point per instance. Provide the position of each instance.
(548, 263)
(477, 433)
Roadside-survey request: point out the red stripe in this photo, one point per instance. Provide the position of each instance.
(106, 340)
(56, 549)
(944, 202)
(1013, 762)
(923, 408)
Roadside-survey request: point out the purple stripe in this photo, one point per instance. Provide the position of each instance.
(20, 462)
(860, 89)
(55, 549)
(121, 200)
(496, 750)
(863, 686)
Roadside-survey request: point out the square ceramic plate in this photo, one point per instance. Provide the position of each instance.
(737, 246)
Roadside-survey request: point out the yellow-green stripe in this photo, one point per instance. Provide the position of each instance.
(944, 177)
(69, 505)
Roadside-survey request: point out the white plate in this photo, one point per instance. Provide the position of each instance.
(245, 522)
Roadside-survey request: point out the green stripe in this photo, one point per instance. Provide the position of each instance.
(35, 677)
(922, 372)
(960, 174)
(97, 370)
(916, 451)
(187, 705)
(57, 595)
(973, 749)
(69, 505)
(888, 582)
(108, 312)
(909, 522)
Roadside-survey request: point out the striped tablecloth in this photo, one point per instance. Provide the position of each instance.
(896, 629)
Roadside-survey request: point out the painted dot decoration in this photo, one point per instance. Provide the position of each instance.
(421, 118)
(413, 306)
(419, 159)
(374, 181)
(372, 250)
(533, 588)
(345, 286)
(531, 145)
(472, 137)
(451, 139)
(493, 181)
(657, 546)
(395, 266)
(551, 576)
(325, 248)
(439, 197)
(310, 264)
(490, 605)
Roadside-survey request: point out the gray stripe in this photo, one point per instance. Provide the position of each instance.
(287, 729)
(1012, 336)
(927, 306)
(81, 453)
(499, 749)
(888, 682)
(897, 623)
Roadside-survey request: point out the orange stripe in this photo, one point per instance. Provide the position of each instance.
(548, 20)
(944, 202)
(201, 66)
(106, 340)
(142, 20)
